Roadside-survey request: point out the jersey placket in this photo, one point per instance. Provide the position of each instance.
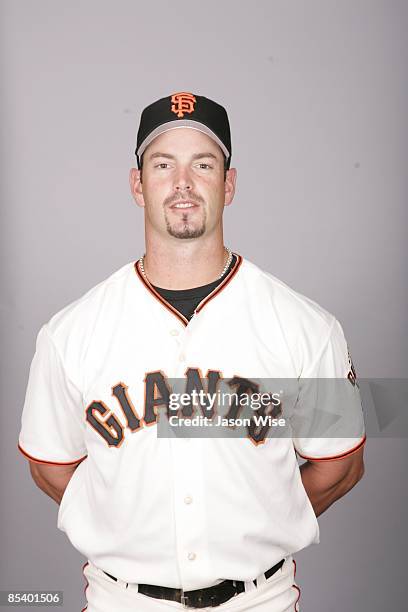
(188, 456)
(191, 529)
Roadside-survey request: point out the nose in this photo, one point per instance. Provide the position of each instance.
(183, 180)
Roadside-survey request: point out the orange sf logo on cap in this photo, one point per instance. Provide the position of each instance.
(183, 102)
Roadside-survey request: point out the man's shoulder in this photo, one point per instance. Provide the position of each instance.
(81, 312)
(290, 306)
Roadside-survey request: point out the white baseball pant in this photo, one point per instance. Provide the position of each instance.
(279, 593)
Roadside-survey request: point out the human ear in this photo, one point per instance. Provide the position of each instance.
(230, 182)
(136, 188)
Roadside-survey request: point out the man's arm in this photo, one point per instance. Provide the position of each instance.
(327, 481)
(52, 479)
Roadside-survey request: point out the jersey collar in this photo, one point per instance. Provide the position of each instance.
(203, 302)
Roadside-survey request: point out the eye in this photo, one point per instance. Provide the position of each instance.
(162, 165)
(204, 166)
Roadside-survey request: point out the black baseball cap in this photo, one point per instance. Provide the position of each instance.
(184, 109)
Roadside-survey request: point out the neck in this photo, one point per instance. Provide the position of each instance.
(184, 264)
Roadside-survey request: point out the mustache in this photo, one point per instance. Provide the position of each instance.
(191, 196)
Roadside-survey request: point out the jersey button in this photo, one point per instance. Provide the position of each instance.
(191, 556)
(188, 499)
(174, 332)
(182, 357)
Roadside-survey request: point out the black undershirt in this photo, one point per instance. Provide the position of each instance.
(187, 300)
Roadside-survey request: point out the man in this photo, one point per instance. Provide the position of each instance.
(166, 521)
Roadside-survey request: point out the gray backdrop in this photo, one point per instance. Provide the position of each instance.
(317, 97)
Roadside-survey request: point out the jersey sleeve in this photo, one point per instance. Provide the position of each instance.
(52, 430)
(327, 421)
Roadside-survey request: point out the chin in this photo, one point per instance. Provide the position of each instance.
(185, 232)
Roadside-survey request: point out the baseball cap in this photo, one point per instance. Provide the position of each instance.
(184, 110)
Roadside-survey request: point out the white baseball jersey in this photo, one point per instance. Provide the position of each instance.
(183, 513)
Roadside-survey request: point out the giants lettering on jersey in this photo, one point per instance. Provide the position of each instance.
(157, 395)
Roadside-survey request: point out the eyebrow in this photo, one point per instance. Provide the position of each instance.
(196, 156)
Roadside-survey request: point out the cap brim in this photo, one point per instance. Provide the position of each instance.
(181, 123)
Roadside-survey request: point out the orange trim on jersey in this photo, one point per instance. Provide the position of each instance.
(295, 586)
(296, 608)
(86, 586)
(336, 457)
(36, 460)
(201, 305)
(222, 285)
(157, 295)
